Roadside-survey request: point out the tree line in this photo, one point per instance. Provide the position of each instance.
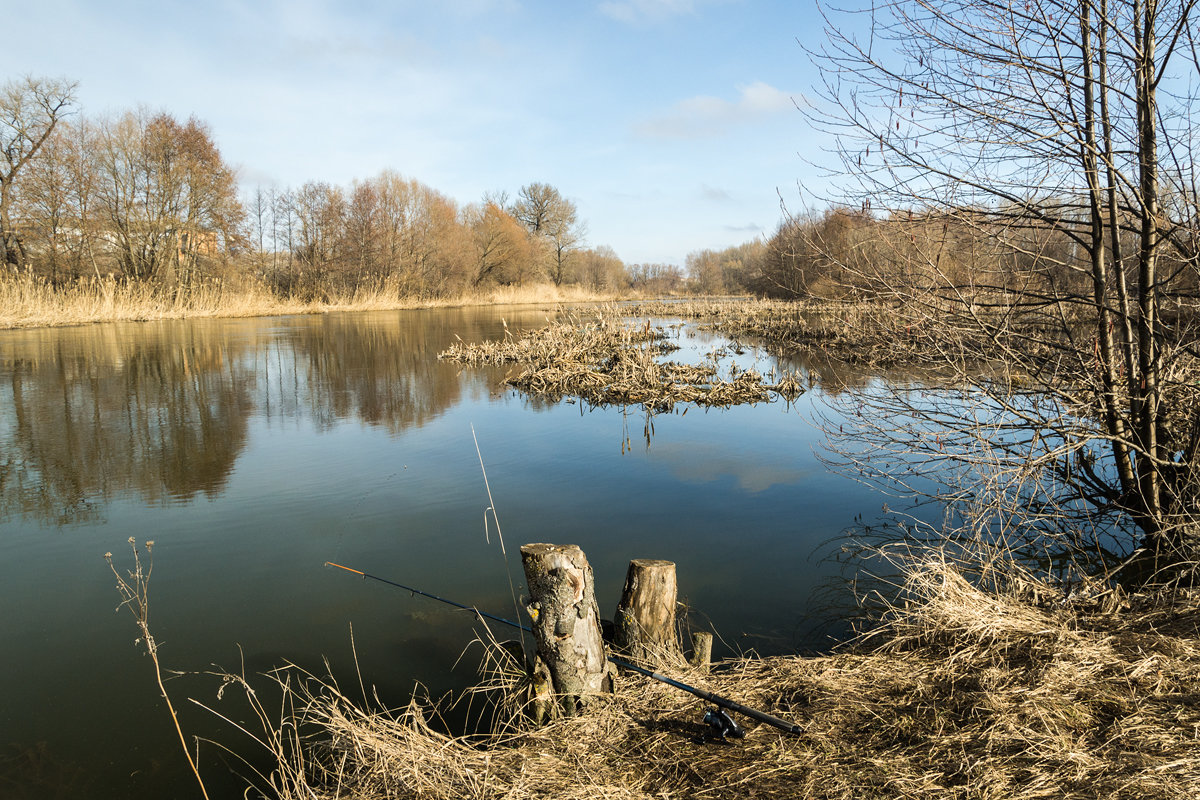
(146, 197)
(984, 253)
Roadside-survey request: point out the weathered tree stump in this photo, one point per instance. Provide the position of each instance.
(645, 621)
(702, 642)
(566, 623)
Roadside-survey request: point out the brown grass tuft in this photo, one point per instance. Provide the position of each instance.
(960, 692)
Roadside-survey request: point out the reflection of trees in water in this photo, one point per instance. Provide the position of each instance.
(381, 371)
(93, 413)
(162, 411)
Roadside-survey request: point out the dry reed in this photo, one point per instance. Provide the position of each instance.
(32, 302)
(134, 588)
(861, 332)
(606, 361)
(960, 692)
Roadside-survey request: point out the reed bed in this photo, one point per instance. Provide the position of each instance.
(605, 360)
(853, 332)
(959, 692)
(919, 333)
(33, 302)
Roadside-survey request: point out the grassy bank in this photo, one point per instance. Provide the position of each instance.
(1012, 690)
(30, 302)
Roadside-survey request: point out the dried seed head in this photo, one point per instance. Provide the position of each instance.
(108, 556)
(132, 540)
(149, 544)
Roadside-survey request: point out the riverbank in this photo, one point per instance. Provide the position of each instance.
(963, 692)
(31, 303)
(984, 681)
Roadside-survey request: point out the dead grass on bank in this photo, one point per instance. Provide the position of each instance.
(874, 334)
(853, 332)
(31, 302)
(606, 360)
(958, 693)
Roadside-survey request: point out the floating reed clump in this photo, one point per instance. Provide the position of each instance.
(869, 333)
(606, 361)
(961, 692)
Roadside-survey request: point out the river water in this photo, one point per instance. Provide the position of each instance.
(254, 451)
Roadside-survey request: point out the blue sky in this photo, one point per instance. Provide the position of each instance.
(672, 124)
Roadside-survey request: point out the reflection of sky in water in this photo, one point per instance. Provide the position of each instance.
(704, 463)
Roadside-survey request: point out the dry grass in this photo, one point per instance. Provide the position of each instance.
(605, 360)
(959, 693)
(31, 302)
(873, 333)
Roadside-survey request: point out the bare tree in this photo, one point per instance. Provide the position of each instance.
(320, 210)
(502, 248)
(1051, 132)
(165, 193)
(260, 212)
(46, 206)
(30, 109)
(283, 230)
(602, 269)
(555, 220)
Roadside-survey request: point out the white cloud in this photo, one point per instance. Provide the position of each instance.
(759, 96)
(715, 194)
(706, 116)
(706, 464)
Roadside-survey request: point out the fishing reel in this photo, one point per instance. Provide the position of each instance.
(722, 724)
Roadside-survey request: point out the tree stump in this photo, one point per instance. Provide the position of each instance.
(566, 623)
(702, 642)
(645, 621)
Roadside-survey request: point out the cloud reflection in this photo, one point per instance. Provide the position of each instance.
(697, 463)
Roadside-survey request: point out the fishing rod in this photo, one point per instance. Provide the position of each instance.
(715, 718)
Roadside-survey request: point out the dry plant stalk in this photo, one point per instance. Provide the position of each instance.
(962, 692)
(605, 362)
(134, 589)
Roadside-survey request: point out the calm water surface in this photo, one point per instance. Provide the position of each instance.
(253, 451)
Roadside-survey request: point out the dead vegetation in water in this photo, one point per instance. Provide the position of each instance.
(962, 692)
(604, 360)
(916, 334)
(866, 333)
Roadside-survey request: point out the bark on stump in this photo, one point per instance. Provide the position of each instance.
(645, 621)
(702, 642)
(566, 623)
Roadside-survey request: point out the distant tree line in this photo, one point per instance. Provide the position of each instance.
(977, 252)
(146, 197)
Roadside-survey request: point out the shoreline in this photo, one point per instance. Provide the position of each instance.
(960, 693)
(30, 304)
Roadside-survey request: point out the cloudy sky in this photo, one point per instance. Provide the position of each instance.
(672, 124)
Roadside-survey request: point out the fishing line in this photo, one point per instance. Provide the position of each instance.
(357, 501)
(413, 590)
